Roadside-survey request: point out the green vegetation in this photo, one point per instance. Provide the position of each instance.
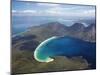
(24, 45)
(23, 62)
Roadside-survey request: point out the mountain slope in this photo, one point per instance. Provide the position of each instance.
(77, 30)
(23, 46)
(36, 34)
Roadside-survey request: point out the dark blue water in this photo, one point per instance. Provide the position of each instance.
(66, 46)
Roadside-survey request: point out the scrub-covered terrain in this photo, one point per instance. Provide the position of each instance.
(24, 44)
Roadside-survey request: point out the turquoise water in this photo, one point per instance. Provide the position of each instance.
(65, 46)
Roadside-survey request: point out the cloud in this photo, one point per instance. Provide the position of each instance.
(89, 12)
(57, 11)
(47, 4)
(29, 11)
(75, 12)
(14, 11)
(71, 11)
(23, 12)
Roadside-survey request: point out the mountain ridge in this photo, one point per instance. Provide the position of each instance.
(77, 30)
(35, 35)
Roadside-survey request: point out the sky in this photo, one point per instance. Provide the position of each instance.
(27, 14)
(48, 9)
(38, 12)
